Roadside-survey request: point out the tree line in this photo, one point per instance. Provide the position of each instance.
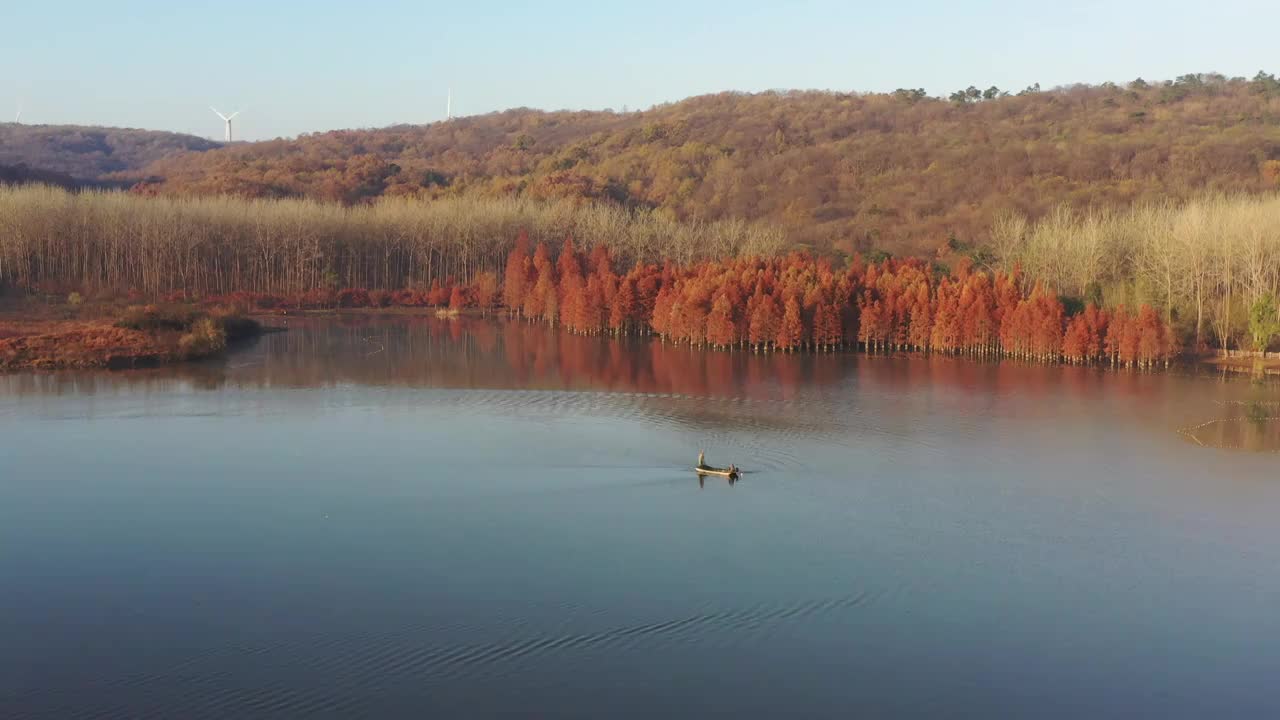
(792, 303)
(798, 302)
(1211, 266)
(1126, 287)
(63, 241)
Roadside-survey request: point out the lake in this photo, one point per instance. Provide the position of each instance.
(392, 516)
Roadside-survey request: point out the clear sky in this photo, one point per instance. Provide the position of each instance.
(297, 67)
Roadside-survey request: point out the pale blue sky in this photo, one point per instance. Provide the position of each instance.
(300, 67)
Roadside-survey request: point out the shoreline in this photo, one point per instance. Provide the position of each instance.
(50, 337)
(1269, 361)
(65, 337)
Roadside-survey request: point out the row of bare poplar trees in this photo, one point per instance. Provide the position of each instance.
(91, 240)
(1203, 263)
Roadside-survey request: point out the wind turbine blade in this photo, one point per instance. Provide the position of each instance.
(215, 112)
(233, 114)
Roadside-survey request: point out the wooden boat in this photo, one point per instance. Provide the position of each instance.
(731, 473)
(702, 468)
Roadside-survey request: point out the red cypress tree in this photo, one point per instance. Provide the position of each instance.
(737, 310)
(823, 324)
(484, 291)
(1130, 340)
(693, 322)
(869, 322)
(622, 310)
(568, 263)
(572, 300)
(813, 295)
(764, 321)
(516, 277)
(1007, 299)
(660, 318)
(944, 337)
(790, 328)
(541, 255)
(979, 324)
(1075, 342)
(1152, 343)
(1096, 322)
(600, 262)
(1113, 342)
(535, 300)
(550, 303)
(835, 325)
(676, 330)
(1016, 329)
(648, 283)
(920, 331)
(1047, 325)
(720, 328)
(592, 311)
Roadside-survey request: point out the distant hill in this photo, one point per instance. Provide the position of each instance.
(22, 175)
(91, 153)
(899, 171)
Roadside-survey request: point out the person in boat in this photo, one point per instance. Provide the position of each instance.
(702, 460)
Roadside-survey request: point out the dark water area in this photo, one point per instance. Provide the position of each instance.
(412, 517)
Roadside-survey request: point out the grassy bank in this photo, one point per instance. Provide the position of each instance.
(37, 336)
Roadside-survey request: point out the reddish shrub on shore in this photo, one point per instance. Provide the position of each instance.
(316, 299)
(457, 298)
(268, 302)
(407, 298)
(438, 295)
(354, 298)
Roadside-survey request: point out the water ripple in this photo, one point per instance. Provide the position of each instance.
(220, 683)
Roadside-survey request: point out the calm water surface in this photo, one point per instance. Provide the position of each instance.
(410, 517)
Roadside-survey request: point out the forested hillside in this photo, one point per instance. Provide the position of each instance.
(91, 153)
(23, 175)
(902, 172)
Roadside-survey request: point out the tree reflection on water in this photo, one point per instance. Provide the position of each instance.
(801, 393)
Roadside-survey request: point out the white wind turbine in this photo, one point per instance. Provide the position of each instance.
(448, 107)
(17, 119)
(226, 119)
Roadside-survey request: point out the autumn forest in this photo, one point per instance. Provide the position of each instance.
(900, 172)
(1115, 224)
